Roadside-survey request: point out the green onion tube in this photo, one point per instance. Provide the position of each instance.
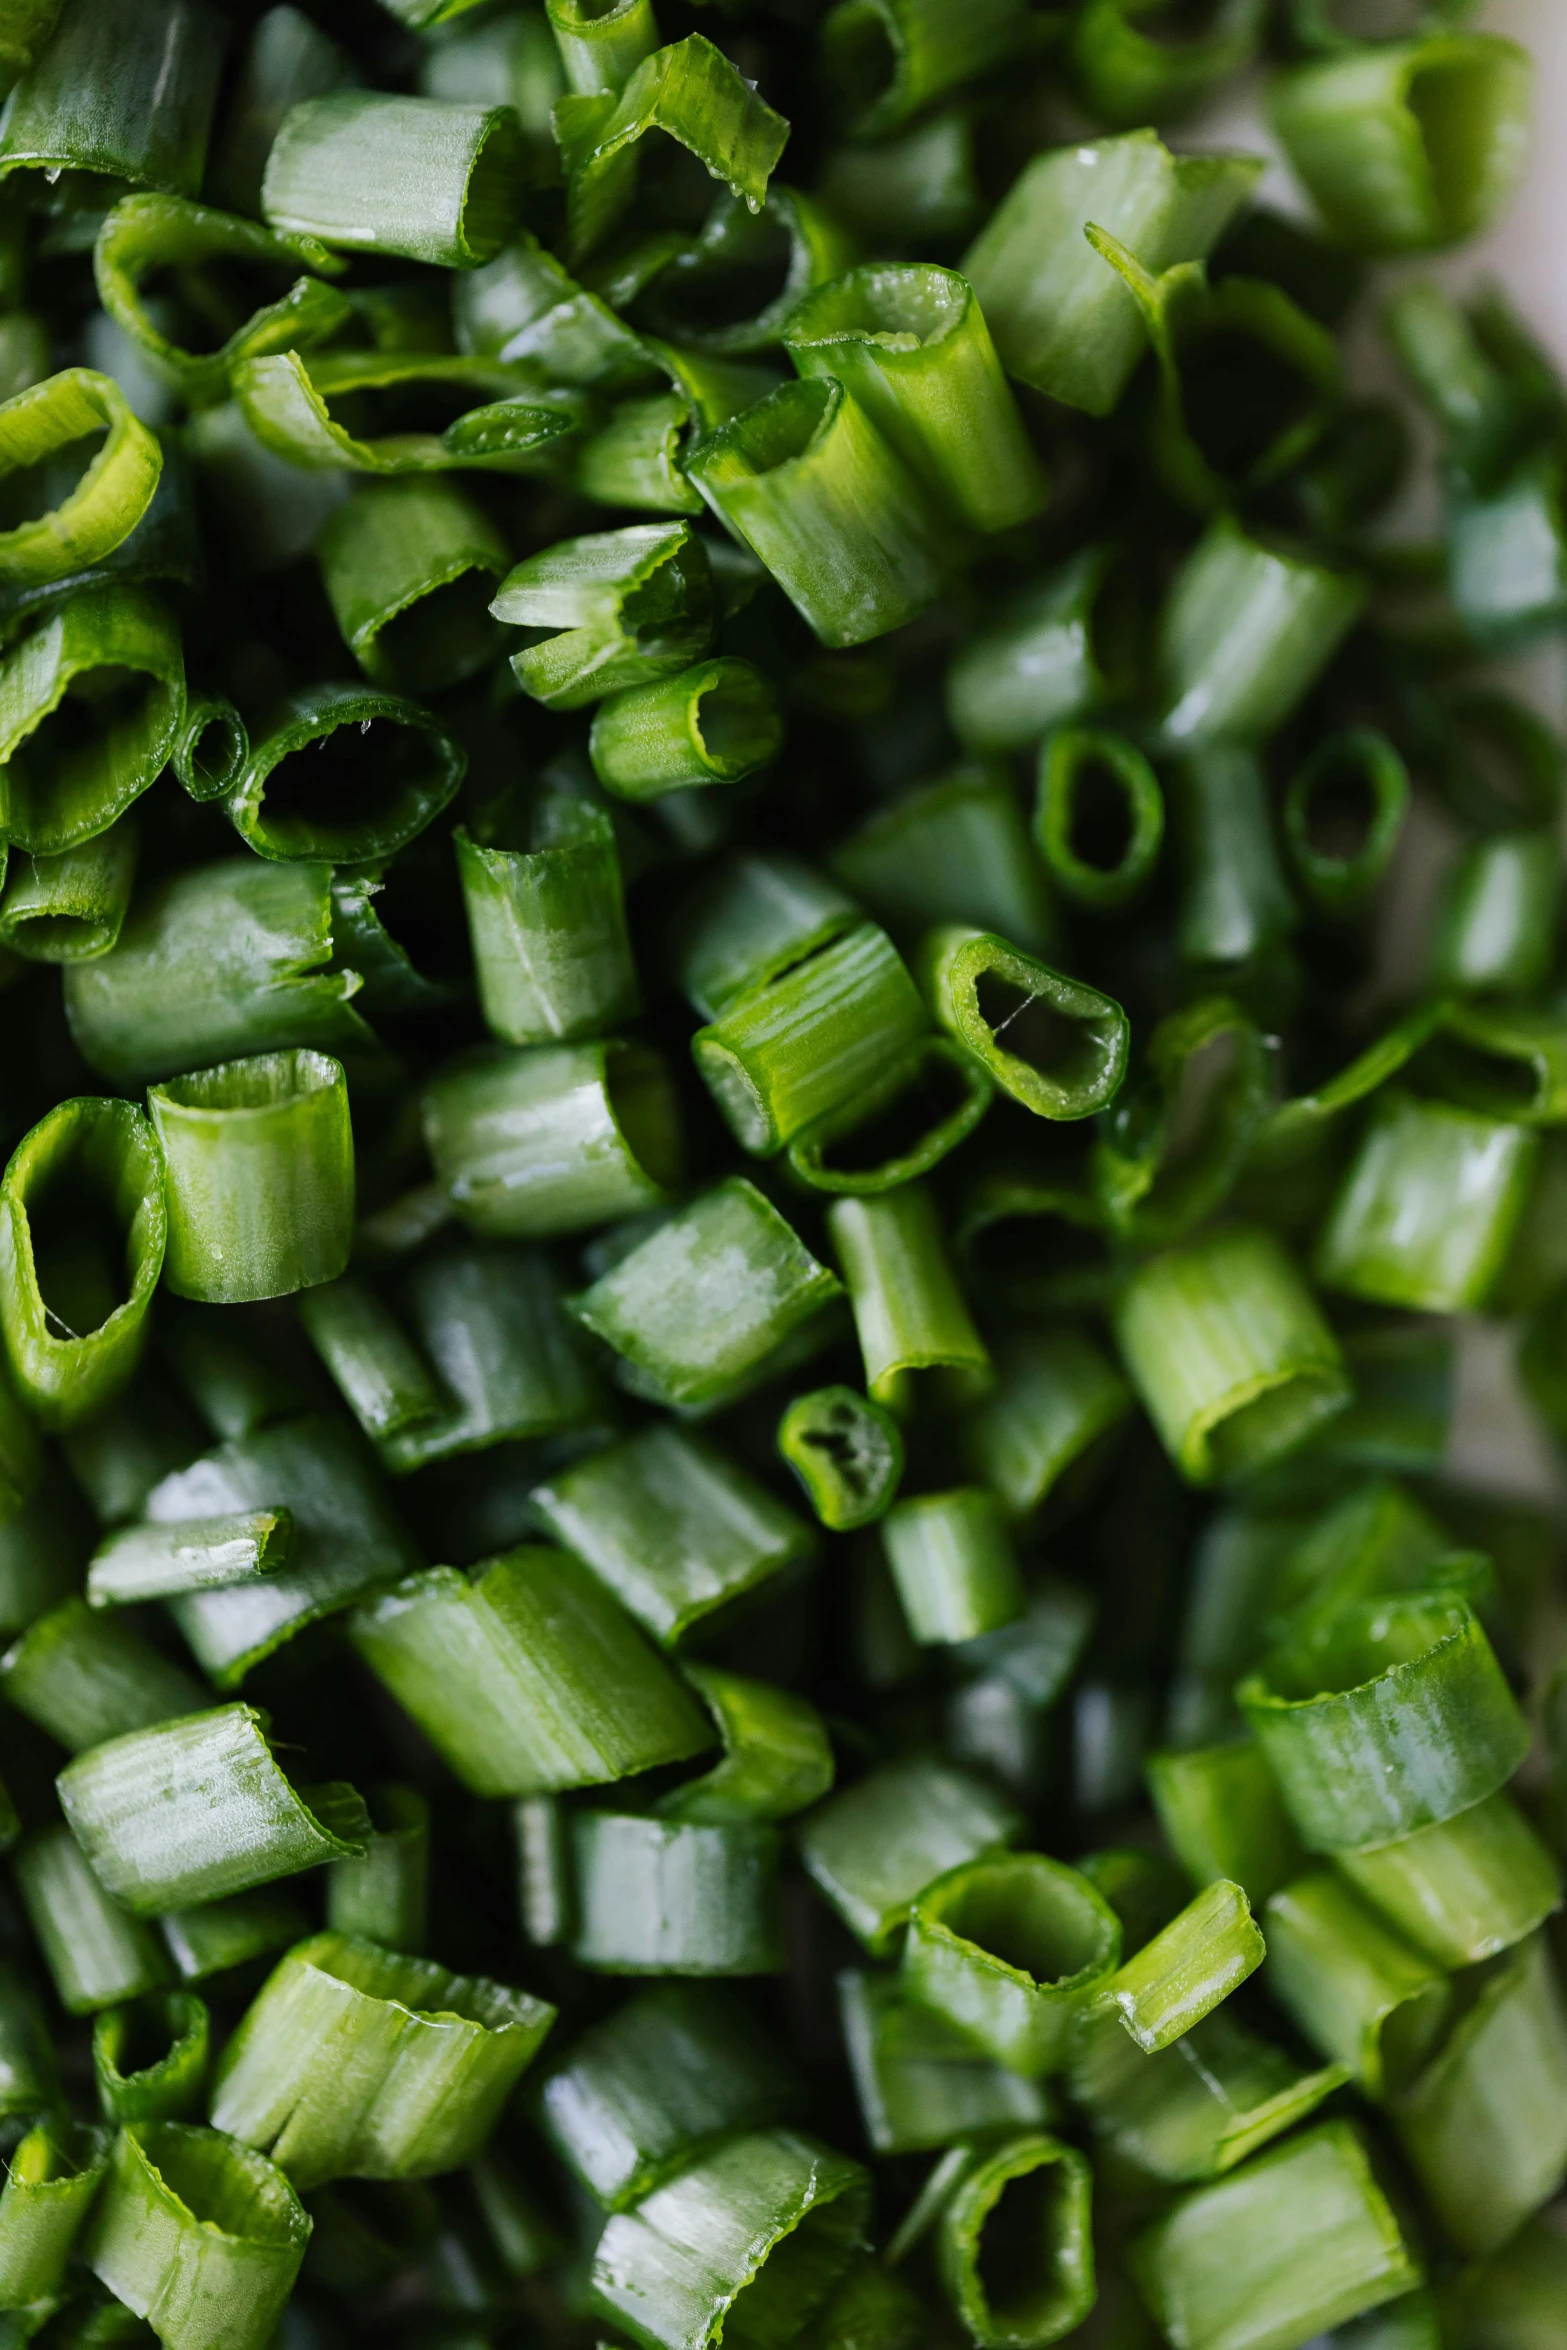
(627, 607)
(716, 723)
(260, 1162)
(909, 343)
(1244, 632)
(1011, 1949)
(1408, 144)
(1465, 1888)
(1128, 75)
(386, 412)
(794, 244)
(525, 307)
(69, 908)
(1292, 2243)
(221, 1935)
(1223, 1816)
(57, 790)
(1188, 1967)
(919, 2082)
(872, 1849)
(1004, 2301)
(120, 89)
(1496, 931)
(96, 1954)
(161, 2089)
(756, 917)
(953, 1564)
(921, 1108)
(382, 1896)
(84, 1677)
(1041, 661)
(376, 1367)
(1359, 1992)
(197, 2235)
(1427, 1207)
(1062, 319)
(671, 1527)
(1235, 902)
(54, 2177)
(1340, 873)
(891, 59)
(103, 508)
(777, 1757)
(805, 480)
(86, 1155)
(211, 748)
(345, 774)
(847, 1453)
(916, 1335)
(359, 2062)
(1079, 768)
(190, 1810)
(670, 2073)
(602, 51)
(371, 173)
(747, 2242)
(407, 565)
(675, 1897)
(1225, 1345)
(1484, 2127)
(531, 1144)
(149, 233)
(548, 928)
(1066, 1044)
(1395, 1716)
(819, 1037)
(1057, 1402)
(1201, 2106)
(1171, 1150)
(218, 962)
(999, 1717)
(136, 1563)
(528, 1676)
(951, 851)
(697, 1309)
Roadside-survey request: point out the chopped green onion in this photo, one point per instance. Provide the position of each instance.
(160, 2088)
(1427, 1207)
(221, 1936)
(777, 1757)
(120, 89)
(1361, 1994)
(548, 927)
(951, 851)
(1014, 2246)
(69, 908)
(601, 51)
(916, 1336)
(1497, 923)
(1188, 1967)
(318, 410)
(407, 566)
(382, 1895)
(103, 507)
(1078, 767)
(1235, 902)
(1011, 1949)
(1463, 1889)
(314, 789)
(371, 173)
(921, 2083)
(1223, 1816)
(872, 1849)
(675, 1897)
(754, 919)
(1245, 630)
(715, 723)
(117, 651)
(953, 1564)
(1343, 814)
(621, 608)
(1058, 1401)
(1066, 1048)
(85, 1677)
(96, 1954)
(1202, 2105)
(847, 1452)
(55, 2174)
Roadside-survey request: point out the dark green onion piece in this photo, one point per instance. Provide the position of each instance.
(287, 59)
(548, 927)
(1000, 1716)
(891, 59)
(754, 918)
(99, 511)
(1011, 1949)
(1288, 2245)
(951, 851)
(321, 410)
(1223, 1816)
(670, 2073)
(675, 1897)
(923, 1106)
(1496, 926)
(260, 1168)
(916, 1334)
(1235, 902)
(1343, 813)
(846, 1451)
(806, 481)
(378, 1370)
(198, 2235)
(96, 1954)
(315, 788)
(222, 1935)
(1130, 75)
(67, 909)
(917, 185)
(777, 1757)
(602, 51)
(382, 1895)
(211, 748)
(1057, 1397)
(29, 2081)
(1464, 1889)
(121, 89)
(359, 2062)
(1428, 1206)
(696, 1311)
(1225, 1345)
(54, 2176)
(372, 173)
(671, 1526)
(524, 307)
(1081, 769)
(746, 2244)
(1202, 2105)
(1171, 1150)
(1050, 654)
(715, 723)
(953, 1564)
(1066, 1044)
(86, 1156)
(1188, 1967)
(1245, 630)
(162, 2088)
(920, 2082)
(1062, 319)
(1014, 2246)
(407, 565)
(528, 1676)
(138, 1563)
(193, 1809)
(621, 608)
(909, 343)
(872, 1849)
(1512, 1064)
(1394, 1715)
(792, 245)
(57, 789)
(555, 1139)
(84, 1677)
(1411, 144)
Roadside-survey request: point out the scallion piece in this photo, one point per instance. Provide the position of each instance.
(621, 608)
(1244, 631)
(381, 1895)
(872, 1849)
(315, 789)
(118, 90)
(675, 1897)
(365, 172)
(1235, 902)
(921, 2083)
(1050, 654)
(548, 927)
(777, 1757)
(1343, 813)
(84, 1677)
(1463, 1889)
(1011, 1949)
(917, 1338)
(753, 919)
(953, 851)
(716, 723)
(602, 52)
(1057, 1404)
(387, 412)
(1428, 1206)
(407, 565)
(210, 750)
(1129, 75)
(96, 1953)
(1181, 1133)
(1032, 2195)
(220, 1936)
(103, 506)
(1082, 771)
(847, 1452)
(162, 2087)
(69, 908)
(116, 650)
(1497, 923)
(55, 2174)
(953, 1564)
(1187, 1968)
(532, 1144)
(1066, 1044)
(1223, 1816)
(1361, 1994)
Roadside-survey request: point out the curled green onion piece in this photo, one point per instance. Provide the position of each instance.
(97, 1955)
(548, 927)
(88, 1159)
(1189, 1966)
(872, 1849)
(924, 1105)
(524, 306)
(622, 608)
(134, 2083)
(371, 173)
(85, 1677)
(1178, 1137)
(890, 59)
(920, 2083)
(260, 1168)
(1427, 1207)
(716, 723)
(1130, 75)
(951, 851)
(602, 51)
(1066, 1044)
(754, 918)
(137, 1563)
(315, 789)
(777, 1758)
(1343, 813)
(793, 245)
(1057, 1405)
(1035, 2194)
(675, 1897)
(953, 1564)
(121, 90)
(1095, 785)
(1235, 902)
(96, 513)
(318, 411)
(54, 2177)
(847, 1452)
(211, 748)
(198, 2235)
(110, 657)
(220, 1936)
(1049, 655)
(407, 566)
(1011, 1950)
(68, 908)
(1202, 2105)
(748, 2242)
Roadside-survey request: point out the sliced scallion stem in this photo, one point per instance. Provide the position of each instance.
(847, 1452)
(675, 1897)
(1066, 1044)
(155, 2088)
(1034, 2193)
(715, 723)
(1078, 765)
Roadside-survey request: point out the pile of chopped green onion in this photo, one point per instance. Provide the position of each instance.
(780, 941)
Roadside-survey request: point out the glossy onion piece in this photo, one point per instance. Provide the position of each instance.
(1465, 1888)
(136, 1563)
(324, 410)
(87, 1157)
(117, 651)
(1201, 2106)
(260, 1161)
(1049, 655)
(953, 1564)
(408, 566)
(103, 508)
(1496, 925)
(953, 850)
(1066, 1044)
(161, 2088)
(920, 2084)
(1057, 1404)
(917, 1337)
(84, 1677)
(67, 909)
(626, 607)
(55, 2174)
(872, 1849)
(1245, 630)
(1045, 2190)
(716, 723)
(777, 1758)
(1360, 1993)
(1236, 905)
(1189, 1966)
(548, 927)
(211, 748)
(847, 1453)
(367, 172)
(1129, 75)
(755, 917)
(1223, 1816)
(314, 788)
(675, 1897)
(1181, 1133)
(1427, 1207)
(601, 52)
(1011, 1949)
(123, 88)
(96, 1954)
(194, 1809)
